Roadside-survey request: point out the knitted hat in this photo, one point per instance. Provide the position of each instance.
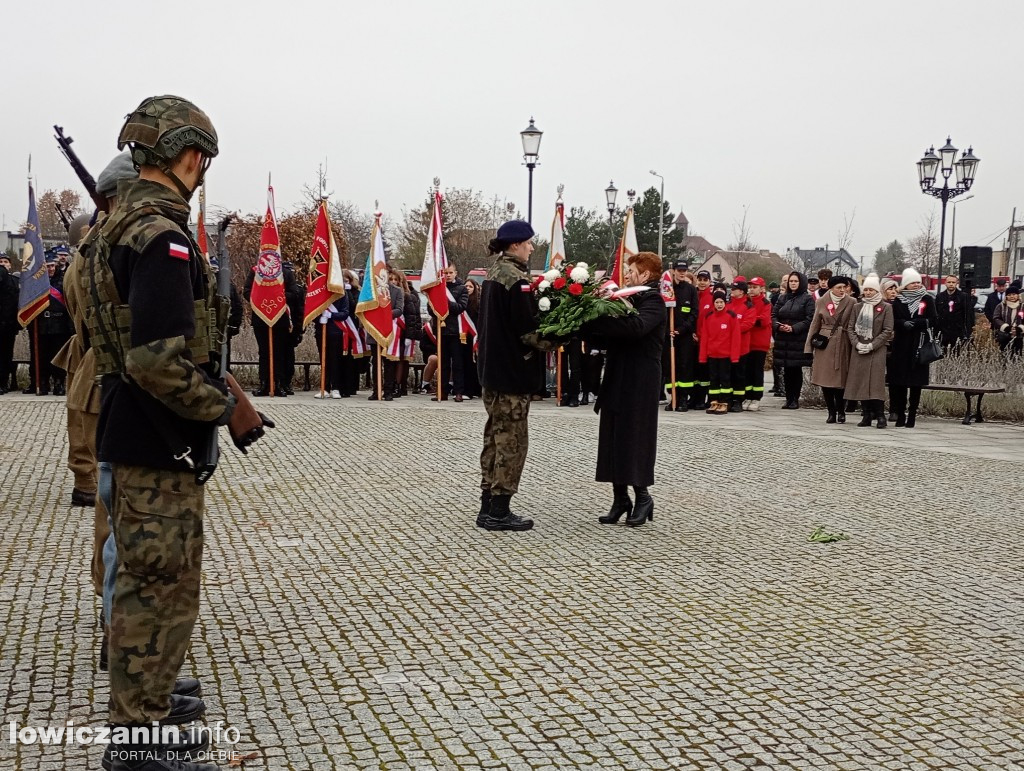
(872, 282)
(773, 285)
(1013, 288)
(835, 280)
(515, 232)
(909, 277)
(719, 295)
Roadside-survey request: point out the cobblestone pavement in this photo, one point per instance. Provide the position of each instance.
(350, 625)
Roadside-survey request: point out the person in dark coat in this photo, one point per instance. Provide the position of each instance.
(628, 402)
(54, 330)
(913, 315)
(352, 348)
(331, 325)
(412, 331)
(235, 316)
(955, 315)
(471, 380)
(282, 339)
(295, 296)
(791, 321)
(997, 296)
(451, 352)
(9, 326)
(684, 341)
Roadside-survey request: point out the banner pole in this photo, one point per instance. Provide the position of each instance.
(35, 342)
(323, 358)
(270, 342)
(440, 360)
(380, 374)
(672, 352)
(558, 377)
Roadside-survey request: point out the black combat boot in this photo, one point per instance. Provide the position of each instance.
(620, 505)
(184, 709)
(643, 509)
(501, 518)
(865, 419)
(188, 686)
(485, 508)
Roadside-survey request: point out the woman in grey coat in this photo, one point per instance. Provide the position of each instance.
(869, 328)
(831, 312)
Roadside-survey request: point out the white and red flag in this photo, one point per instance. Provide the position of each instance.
(435, 260)
(627, 248)
(374, 306)
(268, 301)
(326, 282)
(668, 289)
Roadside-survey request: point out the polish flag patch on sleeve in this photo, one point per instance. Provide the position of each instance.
(179, 251)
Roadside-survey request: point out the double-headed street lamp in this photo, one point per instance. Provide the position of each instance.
(609, 196)
(946, 161)
(531, 152)
(661, 212)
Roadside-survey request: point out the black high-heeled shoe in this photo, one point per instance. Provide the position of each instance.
(621, 505)
(643, 509)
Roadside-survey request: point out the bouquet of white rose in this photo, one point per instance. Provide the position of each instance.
(572, 296)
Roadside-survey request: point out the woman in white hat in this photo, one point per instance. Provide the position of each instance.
(913, 314)
(869, 329)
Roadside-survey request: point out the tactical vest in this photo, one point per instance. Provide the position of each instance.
(109, 320)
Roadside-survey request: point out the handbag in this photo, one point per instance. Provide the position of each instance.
(819, 341)
(928, 350)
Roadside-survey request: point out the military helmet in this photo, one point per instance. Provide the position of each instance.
(162, 126)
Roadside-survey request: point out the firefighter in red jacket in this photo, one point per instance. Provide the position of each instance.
(760, 342)
(743, 309)
(705, 304)
(720, 349)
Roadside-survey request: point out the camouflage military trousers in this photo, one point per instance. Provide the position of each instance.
(158, 530)
(505, 441)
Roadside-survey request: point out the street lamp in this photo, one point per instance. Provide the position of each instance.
(531, 151)
(661, 212)
(945, 162)
(609, 196)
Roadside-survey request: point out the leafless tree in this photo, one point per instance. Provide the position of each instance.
(923, 248)
(846, 231)
(742, 239)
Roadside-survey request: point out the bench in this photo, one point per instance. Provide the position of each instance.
(968, 392)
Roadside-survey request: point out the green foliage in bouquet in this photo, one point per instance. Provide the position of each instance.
(571, 297)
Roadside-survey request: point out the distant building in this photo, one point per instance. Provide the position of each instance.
(11, 241)
(724, 265)
(810, 261)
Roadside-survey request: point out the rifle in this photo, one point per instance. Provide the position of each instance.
(64, 218)
(83, 175)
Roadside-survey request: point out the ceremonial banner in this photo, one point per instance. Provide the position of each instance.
(466, 328)
(201, 238)
(668, 290)
(352, 337)
(34, 283)
(374, 306)
(432, 281)
(268, 301)
(556, 247)
(627, 248)
(326, 283)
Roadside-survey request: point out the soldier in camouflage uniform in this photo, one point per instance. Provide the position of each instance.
(155, 326)
(511, 369)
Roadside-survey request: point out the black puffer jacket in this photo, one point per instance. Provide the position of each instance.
(411, 314)
(797, 310)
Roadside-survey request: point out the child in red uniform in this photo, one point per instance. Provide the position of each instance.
(743, 309)
(760, 342)
(719, 349)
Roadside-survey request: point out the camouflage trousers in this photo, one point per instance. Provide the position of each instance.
(505, 441)
(158, 531)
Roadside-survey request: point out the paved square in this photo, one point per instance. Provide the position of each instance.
(351, 624)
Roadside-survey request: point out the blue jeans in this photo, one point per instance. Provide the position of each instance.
(106, 493)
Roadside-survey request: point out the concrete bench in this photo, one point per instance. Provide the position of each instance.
(968, 392)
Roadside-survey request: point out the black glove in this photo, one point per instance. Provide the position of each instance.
(908, 325)
(242, 442)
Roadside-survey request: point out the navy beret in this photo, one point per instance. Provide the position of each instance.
(515, 231)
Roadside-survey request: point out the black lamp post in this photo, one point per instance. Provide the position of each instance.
(609, 196)
(531, 151)
(946, 162)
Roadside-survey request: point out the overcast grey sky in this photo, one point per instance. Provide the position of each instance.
(800, 110)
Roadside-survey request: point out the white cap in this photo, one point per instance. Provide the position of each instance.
(909, 277)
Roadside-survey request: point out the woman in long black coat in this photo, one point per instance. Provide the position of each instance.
(791, 320)
(913, 314)
(628, 402)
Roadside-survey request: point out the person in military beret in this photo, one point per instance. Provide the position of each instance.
(510, 369)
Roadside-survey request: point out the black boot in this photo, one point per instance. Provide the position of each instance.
(901, 419)
(735, 406)
(841, 407)
(188, 686)
(643, 509)
(915, 400)
(485, 507)
(159, 756)
(501, 518)
(880, 414)
(911, 420)
(830, 405)
(620, 505)
(263, 390)
(865, 419)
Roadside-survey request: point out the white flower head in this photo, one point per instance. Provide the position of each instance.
(552, 274)
(582, 265)
(543, 285)
(544, 304)
(579, 274)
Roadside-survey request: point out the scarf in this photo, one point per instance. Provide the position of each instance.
(865, 324)
(1011, 305)
(835, 300)
(912, 298)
